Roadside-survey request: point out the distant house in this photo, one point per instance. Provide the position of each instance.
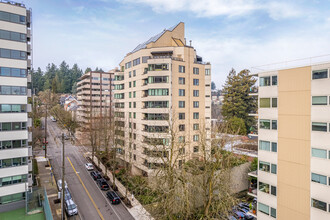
(70, 103)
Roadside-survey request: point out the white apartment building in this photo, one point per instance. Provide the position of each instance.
(15, 135)
(294, 143)
(163, 88)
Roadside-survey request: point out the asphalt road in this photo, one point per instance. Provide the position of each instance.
(91, 201)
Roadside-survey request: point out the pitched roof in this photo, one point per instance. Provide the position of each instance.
(153, 39)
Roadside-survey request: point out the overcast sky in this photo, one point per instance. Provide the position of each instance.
(229, 33)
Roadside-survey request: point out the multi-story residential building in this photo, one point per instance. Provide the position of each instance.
(294, 143)
(15, 135)
(94, 94)
(163, 89)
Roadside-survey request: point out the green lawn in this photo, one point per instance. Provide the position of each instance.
(19, 214)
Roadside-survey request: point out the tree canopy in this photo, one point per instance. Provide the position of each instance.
(237, 101)
(59, 79)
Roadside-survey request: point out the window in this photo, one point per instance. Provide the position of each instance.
(196, 82)
(136, 61)
(264, 187)
(181, 139)
(196, 138)
(274, 147)
(196, 149)
(274, 124)
(130, 84)
(134, 104)
(5, 108)
(6, 126)
(264, 124)
(274, 80)
(207, 72)
(181, 92)
(263, 208)
(264, 81)
(157, 79)
(320, 153)
(129, 95)
(15, 18)
(134, 73)
(319, 100)
(13, 54)
(158, 92)
(273, 190)
(319, 204)
(15, 36)
(274, 102)
(196, 93)
(264, 102)
(134, 115)
(128, 65)
(181, 127)
(320, 74)
(158, 67)
(134, 83)
(196, 70)
(264, 145)
(145, 59)
(317, 178)
(264, 166)
(181, 116)
(134, 94)
(196, 127)
(274, 168)
(317, 126)
(273, 212)
(182, 80)
(181, 104)
(182, 69)
(196, 115)
(196, 104)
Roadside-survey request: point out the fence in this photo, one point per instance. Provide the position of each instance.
(46, 205)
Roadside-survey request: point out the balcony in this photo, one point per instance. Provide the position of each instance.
(253, 185)
(253, 113)
(167, 57)
(254, 91)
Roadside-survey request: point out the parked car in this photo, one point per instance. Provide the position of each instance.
(96, 175)
(52, 119)
(66, 137)
(103, 184)
(89, 166)
(232, 218)
(247, 216)
(113, 197)
(70, 207)
(238, 214)
(59, 184)
(67, 194)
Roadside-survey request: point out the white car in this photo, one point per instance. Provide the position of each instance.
(89, 166)
(59, 184)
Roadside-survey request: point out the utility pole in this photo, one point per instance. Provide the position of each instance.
(46, 125)
(63, 185)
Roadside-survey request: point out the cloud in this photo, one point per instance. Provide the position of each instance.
(210, 8)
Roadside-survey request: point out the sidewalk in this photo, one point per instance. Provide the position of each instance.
(47, 181)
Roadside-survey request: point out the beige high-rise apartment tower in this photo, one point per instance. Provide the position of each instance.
(162, 91)
(294, 143)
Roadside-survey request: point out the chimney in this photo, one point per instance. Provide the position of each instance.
(190, 42)
(185, 41)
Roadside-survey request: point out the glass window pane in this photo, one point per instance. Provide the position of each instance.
(6, 126)
(274, 102)
(274, 168)
(264, 81)
(16, 108)
(263, 208)
(5, 71)
(5, 108)
(16, 143)
(15, 36)
(264, 102)
(15, 54)
(319, 100)
(264, 187)
(264, 145)
(6, 163)
(274, 124)
(264, 166)
(319, 204)
(14, 18)
(274, 80)
(17, 161)
(6, 144)
(320, 74)
(274, 147)
(5, 35)
(319, 178)
(273, 212)
(264, 124)
(319, 153)
(15, 72)
(5, 53)
(273, 190)
(316, 126)
(16, 90)
(5, 90)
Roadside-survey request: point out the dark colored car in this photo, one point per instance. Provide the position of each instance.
(96, 175)
(238, 214)
(103, 184)
(113, 197)
(245, 211)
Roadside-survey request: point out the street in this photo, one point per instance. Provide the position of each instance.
(91, 201)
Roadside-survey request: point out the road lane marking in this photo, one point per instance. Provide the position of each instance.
(98, 211)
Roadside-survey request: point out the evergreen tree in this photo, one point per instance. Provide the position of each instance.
(237, 101)
(213, 86)
(88, 69)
